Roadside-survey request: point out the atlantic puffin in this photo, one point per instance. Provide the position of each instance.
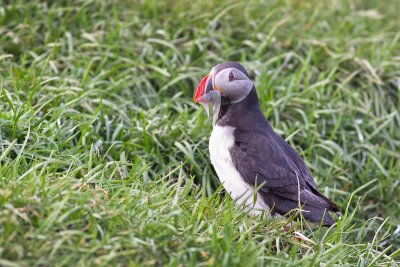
(255, 165)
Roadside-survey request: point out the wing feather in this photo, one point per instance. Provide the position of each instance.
(264, 157)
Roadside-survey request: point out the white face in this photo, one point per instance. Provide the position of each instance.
(233, 84)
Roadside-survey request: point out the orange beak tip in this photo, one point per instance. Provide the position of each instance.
(201, 89)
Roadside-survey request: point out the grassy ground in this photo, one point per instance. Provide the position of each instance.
(104, 156)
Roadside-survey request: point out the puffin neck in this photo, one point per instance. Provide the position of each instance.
(250, 104)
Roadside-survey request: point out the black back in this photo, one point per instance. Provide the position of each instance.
(262, 156)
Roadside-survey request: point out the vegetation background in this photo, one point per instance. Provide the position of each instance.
(104, 155)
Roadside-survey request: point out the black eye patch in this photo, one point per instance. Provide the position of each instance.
(231, 76)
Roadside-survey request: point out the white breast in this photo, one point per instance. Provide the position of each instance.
(221, 140)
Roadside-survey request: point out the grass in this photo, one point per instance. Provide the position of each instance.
(104, 155)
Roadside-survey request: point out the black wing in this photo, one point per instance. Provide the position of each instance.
(262, 156)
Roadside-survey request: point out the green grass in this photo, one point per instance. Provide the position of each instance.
(104, 155)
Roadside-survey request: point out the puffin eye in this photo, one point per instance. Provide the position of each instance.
(231, 76)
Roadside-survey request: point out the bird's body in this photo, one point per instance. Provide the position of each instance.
(247, 154)
(222, 140)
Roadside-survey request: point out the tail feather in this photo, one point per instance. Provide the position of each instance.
(332, 205)
(283, 206)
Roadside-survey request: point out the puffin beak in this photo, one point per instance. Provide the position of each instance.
(204, 87)
(208, 97)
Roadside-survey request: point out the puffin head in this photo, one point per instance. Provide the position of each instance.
(227, 83)
(230, 79)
